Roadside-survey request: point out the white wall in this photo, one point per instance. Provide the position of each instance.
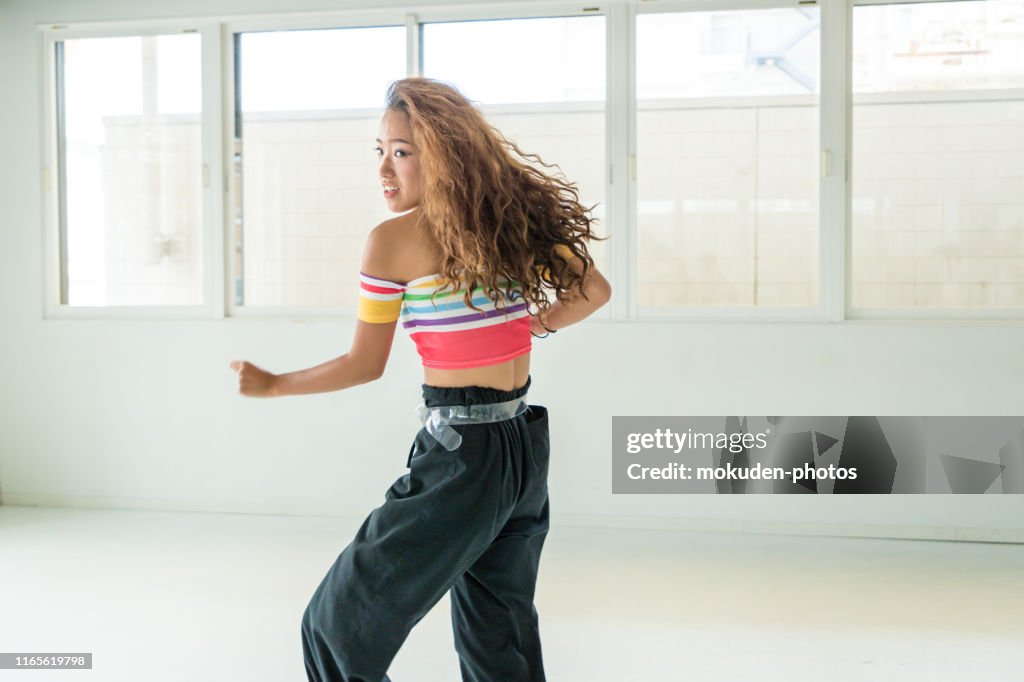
(144, 414)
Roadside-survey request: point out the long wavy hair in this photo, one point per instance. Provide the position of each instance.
(502, 224)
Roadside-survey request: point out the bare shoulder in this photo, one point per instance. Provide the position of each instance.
(392, 232)
(388, 250)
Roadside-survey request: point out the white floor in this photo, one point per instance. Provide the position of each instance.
(158, 596)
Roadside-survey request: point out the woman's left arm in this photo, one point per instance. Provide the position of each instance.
(581, 303)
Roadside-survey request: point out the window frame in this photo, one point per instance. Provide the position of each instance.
(883, 315)
(831, 205)
(232, 30)
(212, 207)
(218, 35)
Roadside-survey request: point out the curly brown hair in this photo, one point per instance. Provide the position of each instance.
(495, 216)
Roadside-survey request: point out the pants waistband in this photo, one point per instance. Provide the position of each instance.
(438, 396)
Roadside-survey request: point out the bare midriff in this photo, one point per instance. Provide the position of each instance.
(506, 376)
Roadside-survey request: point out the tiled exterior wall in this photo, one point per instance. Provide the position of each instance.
(310, 196)
(150, 228)
(727, 203)
(938, 204)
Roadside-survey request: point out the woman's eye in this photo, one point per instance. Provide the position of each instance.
(378, 151)
(401, 152)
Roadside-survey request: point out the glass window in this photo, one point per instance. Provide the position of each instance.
(565, 62)
(549, 99)
(130, 153)
(308, 110)
(727, 158)
(938, 155)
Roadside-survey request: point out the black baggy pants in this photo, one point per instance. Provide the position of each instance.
(472, 521)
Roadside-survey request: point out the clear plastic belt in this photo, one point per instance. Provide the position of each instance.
(438, 421)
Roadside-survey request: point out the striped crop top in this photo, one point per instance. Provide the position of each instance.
(448, 334)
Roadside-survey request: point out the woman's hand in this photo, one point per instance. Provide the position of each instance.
(253, 381)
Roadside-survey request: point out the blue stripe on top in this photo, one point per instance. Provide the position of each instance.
(472, 317)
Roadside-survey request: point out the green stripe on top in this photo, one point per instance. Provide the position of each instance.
(446, 294)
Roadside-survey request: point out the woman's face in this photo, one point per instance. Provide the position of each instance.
(399, 167)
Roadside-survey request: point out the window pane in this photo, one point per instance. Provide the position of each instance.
(939, 46)
(310, 104)
(938, 166)
(727, 147)
(564, 62)
(549, 99)
(133, 170)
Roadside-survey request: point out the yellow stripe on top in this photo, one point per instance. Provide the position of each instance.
(379, 299)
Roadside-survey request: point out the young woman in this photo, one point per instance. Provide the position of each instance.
(484, 242)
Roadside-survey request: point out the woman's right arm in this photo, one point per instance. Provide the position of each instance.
(364, 362)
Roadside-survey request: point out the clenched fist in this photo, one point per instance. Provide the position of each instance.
(253, 381)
